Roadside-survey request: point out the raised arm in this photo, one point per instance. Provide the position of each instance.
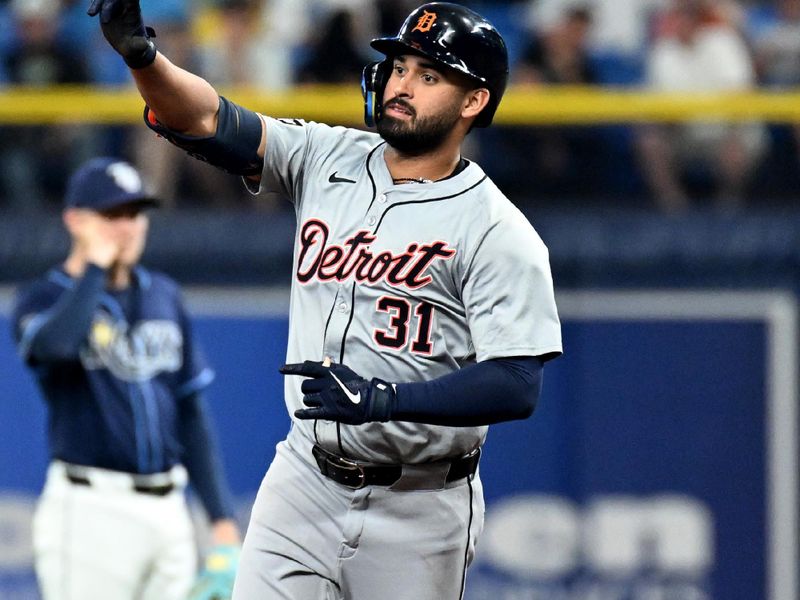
(183, 107)
(181, 100)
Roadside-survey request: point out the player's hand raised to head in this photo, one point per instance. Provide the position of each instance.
(122, 25)
(336, 393)
(94, 235)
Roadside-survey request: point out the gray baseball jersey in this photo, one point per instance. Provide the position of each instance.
(403, 282)
(406, 283)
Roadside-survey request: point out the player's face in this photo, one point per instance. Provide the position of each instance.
(421, 105)
(129, 224)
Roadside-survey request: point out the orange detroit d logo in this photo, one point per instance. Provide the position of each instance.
(425, 22)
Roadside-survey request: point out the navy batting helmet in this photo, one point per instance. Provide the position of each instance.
(451, 35)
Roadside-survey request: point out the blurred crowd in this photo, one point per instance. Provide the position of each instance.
(664, 45)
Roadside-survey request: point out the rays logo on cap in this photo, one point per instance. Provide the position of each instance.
(125, 176)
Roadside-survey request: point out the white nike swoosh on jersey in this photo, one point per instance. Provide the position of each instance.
(354, 398)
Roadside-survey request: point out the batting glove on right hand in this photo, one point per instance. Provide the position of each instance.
(336, 393)
(122, 25)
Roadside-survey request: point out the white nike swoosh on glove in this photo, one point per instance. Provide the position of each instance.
(354, 398)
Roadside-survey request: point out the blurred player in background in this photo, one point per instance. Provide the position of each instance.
(698, 49)
(411, 268)
(121, 372)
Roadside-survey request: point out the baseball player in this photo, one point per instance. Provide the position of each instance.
(422, 308)
(122, 375)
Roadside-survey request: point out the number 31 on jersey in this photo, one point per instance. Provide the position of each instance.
(400, 313)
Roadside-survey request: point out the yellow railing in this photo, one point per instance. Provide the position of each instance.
(342, 104)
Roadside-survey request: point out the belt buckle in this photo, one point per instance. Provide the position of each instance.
(350, 465)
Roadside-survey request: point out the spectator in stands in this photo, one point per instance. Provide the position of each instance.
(227, 52)
(561, 159)
(697, 50)
(334, 56)
(278, 40)
(364, 17)
(159, 164)
(390, 14)
(172, 173)
(776, 39)
(266, 43)
(35, 58)
(6, 38)
(559, 54)
(775, 36)
(618, 34)
(35, 161)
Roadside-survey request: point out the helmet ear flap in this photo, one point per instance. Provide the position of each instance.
(373, 82)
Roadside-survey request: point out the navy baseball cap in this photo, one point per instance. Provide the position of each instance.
(105, 183)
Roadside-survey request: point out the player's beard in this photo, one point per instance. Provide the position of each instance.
(418, 136)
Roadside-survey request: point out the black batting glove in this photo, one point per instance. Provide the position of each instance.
(336, 393)
(122, 25)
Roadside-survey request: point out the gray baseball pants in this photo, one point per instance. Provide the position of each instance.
(310, 538)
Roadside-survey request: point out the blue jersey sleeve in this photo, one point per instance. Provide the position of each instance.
(50, 322)
(201, 457)
(195, 373)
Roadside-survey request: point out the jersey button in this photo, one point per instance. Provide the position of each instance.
(372, 220)
(382, 198)
(343, 307)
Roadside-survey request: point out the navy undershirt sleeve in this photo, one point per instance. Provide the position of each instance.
(491, 391)
(201, 457)
(68, 321)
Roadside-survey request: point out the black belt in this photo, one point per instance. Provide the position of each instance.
(357, 475)
(77, 478)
